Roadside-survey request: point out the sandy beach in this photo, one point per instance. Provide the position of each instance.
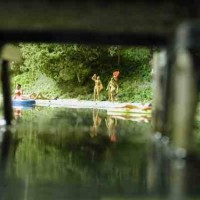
(75, 103)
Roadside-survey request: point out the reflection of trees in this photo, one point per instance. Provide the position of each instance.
(46, 162)
(110, 165)
(53, 151)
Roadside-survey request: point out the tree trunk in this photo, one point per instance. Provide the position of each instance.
(78, 77)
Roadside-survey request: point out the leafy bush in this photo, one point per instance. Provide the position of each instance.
(135, 91)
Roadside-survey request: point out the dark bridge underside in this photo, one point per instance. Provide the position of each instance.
(143, 22)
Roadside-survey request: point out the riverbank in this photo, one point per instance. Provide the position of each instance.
(75, 103)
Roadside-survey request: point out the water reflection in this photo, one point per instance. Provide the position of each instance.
(96, 122)
(143, 118)
(17, 112)
(111, 124)
(65, 153)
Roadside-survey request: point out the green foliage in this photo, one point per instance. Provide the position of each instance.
(136, 60)
(136, 91)
(24, 79)
(136, 83)
(69, 69)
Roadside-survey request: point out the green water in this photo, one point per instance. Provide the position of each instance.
(62, 153)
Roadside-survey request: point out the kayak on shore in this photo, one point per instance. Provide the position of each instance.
(23, 102)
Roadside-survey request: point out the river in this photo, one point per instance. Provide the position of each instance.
(70, 153)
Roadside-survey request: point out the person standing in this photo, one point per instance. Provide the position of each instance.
(97, 87)
(113, 87)
(18, 94)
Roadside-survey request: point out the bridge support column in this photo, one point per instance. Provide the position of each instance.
(184, 87)
(159, 64)
(8, 53)
(7, 102)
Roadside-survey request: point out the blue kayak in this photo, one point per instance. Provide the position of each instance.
(23, 103)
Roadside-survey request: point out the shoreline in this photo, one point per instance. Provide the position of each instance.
(74, 103)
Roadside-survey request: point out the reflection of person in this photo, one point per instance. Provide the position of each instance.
(137, 118)
(18, 94)
(112, 89)
(145, 107)
(111, 124)
(96, 123)
(97, 87)
(17, 113)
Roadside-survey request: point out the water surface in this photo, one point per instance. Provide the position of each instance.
(63, 153)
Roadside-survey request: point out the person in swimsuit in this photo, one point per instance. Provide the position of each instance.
(18, 94)
(112, 89)
(97, 87)
(37, 96)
